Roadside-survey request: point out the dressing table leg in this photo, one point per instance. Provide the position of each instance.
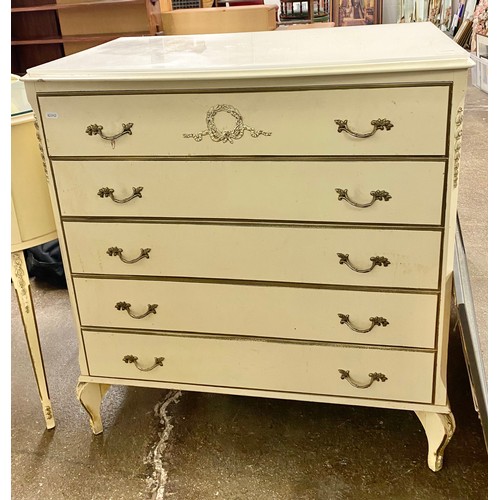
(439, 428)
(90, 396)
(20, 279)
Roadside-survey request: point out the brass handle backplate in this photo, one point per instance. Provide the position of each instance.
(375, 320)
(97, 130)
(125, 306)
(130, 358)
(374, 377)
(106, 192)
(380, 124)
(378, 195)
(376, 261)
(115, 251)
(225, 135)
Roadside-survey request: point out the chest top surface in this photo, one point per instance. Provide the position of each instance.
(359, 49)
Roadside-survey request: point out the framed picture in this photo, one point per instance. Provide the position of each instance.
(357, 12)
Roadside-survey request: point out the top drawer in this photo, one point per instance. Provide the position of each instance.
(250, 123)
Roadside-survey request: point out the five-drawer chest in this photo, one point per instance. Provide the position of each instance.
(264, 214)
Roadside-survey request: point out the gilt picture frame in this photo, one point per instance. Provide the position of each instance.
(357, 12)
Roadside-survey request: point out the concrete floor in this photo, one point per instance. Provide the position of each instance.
(192, 446)
(473, 205)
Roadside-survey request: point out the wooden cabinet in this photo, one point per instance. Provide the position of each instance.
(35, 34)
(43, 30)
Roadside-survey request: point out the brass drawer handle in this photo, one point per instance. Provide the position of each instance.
(376, 261)
(125, 306)
(106, 192)
(380, 124)
(376, 321)
(374, 377)
(130, 358)
(225, 135)
(115, 251)
(378, 195)
(97, 130)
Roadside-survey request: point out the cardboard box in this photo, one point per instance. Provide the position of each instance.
(219, 20)
(479, 73)
(481, 46)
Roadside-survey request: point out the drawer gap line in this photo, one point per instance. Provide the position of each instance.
(286, 284)
(249, 338)
(252, 158)
(247, 90)
(249, 222)
(250, 89)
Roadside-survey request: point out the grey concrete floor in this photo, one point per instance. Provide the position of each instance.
(192, 446)
(473, 205)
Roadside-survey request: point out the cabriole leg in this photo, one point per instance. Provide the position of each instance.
(90, 396)
(20, 279)
(439, 428)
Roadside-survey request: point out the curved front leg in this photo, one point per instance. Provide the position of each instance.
(439, 428)
(20, 280)
(90, 396)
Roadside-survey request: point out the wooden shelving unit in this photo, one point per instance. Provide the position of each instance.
(77, 4)
(76, 39)
(43, 30)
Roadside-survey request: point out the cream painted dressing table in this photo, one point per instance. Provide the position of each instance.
(265, 214)
(31, 222)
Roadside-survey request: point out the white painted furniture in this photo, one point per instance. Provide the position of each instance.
(31, 222)
(263, 214)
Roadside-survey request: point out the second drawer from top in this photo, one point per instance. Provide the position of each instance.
(380, 192)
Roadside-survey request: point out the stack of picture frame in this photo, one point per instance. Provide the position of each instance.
(438, 12)
(356, 12)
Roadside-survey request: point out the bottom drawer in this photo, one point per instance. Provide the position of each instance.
(265, 365)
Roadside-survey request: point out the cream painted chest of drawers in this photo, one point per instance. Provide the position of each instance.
(265, 214)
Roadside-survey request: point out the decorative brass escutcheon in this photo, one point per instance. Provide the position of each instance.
(106, 192)
(376, 261)
(379, 124)
(125, 306)
(225, 135)
(374, 377)
(130, 358)
(97, 130)
(378, 195)
(375, 320)
(115, 251)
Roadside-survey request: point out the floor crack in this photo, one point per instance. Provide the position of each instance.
(156, 457)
